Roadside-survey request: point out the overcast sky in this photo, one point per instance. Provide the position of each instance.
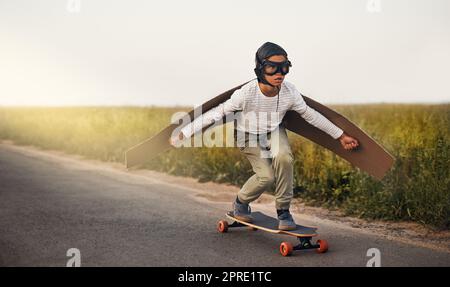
(105, 52)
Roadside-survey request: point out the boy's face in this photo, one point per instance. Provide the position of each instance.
(278, 78)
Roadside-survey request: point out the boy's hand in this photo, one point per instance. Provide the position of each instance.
(348, 142)
(175, 140)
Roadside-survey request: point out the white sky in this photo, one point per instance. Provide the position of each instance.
(185, 52)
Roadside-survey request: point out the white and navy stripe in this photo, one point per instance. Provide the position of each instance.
(262, 114)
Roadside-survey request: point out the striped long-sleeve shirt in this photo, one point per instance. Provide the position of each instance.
(261, 114)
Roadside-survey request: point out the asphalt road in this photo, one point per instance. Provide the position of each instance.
(120, 219)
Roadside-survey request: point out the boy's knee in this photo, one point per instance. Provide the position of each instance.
(266, 180)
(284, 158)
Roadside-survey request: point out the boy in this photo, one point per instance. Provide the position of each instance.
(267, 99)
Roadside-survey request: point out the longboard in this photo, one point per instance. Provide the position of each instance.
(369, 157)
(269, 224)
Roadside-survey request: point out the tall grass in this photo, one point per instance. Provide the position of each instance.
(417, 188)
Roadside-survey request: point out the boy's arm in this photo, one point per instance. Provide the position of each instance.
(235, 103)
(315, 118)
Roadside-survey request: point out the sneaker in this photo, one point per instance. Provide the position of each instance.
(285, 221)
(242, 211)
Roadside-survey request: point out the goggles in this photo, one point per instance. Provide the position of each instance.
(271, 68)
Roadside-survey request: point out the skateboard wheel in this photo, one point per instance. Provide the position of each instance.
(323, 246)
(222, 226)
(286, 248)
(252, 228)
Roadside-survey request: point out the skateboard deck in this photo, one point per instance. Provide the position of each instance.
(261, 221)
(369, 157)
(270, 224)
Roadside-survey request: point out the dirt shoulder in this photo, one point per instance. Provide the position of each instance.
(223, 195)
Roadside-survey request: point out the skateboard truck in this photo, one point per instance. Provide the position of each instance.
(286, 248)
(236, 224)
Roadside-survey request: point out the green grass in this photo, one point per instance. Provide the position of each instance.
(417, 188)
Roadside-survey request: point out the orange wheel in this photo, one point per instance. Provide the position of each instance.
(286, 248)
(323, 246)
(222, 226)
(252, 228)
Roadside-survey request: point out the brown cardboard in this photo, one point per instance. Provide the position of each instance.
(369, 156)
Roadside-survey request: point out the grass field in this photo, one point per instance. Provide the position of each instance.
(417, 188)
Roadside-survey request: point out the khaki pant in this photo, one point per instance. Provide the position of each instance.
(273, 164)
